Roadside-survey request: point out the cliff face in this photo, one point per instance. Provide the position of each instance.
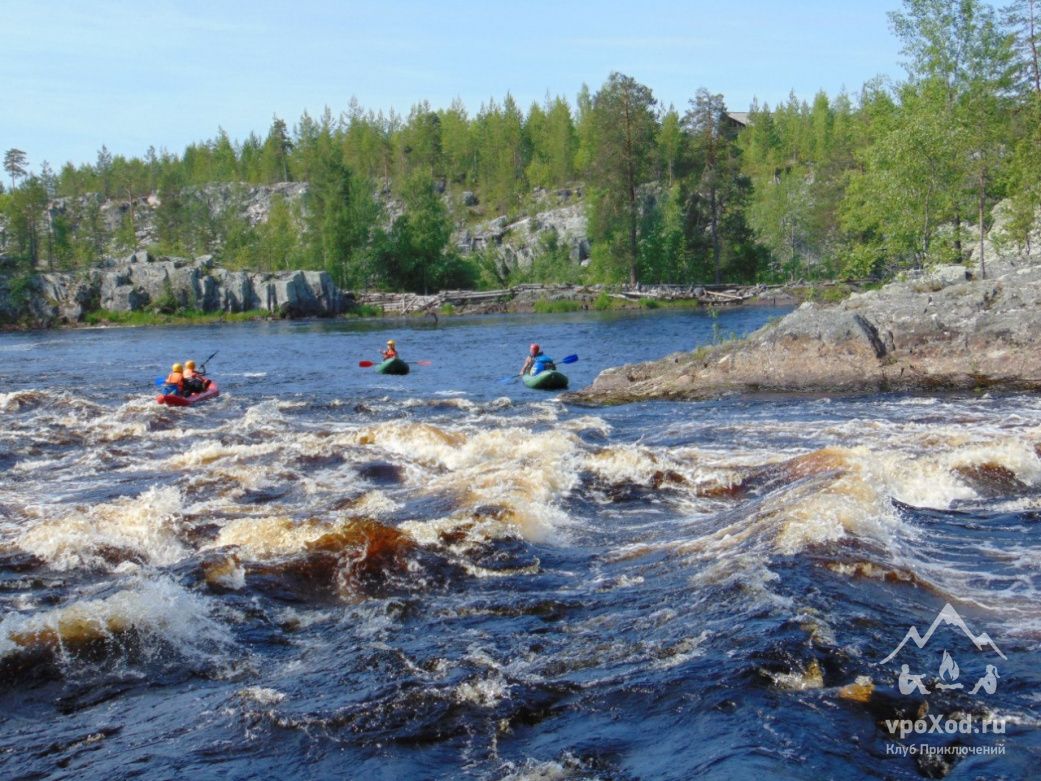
(516, 242)
(942, 331)
(561, 214)
(251, 202)
(142, 282)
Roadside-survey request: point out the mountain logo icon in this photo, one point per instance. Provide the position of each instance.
(949, 617)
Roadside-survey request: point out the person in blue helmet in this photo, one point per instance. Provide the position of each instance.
(537, 361)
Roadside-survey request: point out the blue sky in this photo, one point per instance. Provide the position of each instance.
(77, 75)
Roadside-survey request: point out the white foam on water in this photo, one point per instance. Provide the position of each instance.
(521, 471)
(535, 770)
(269, 537)
(674, 654)
(264, 539)
(1016, 455)
(916, 402)
(483, 692)
(375, 504)
(205, 453)
(15, 400)
(626, 464)
(303, 619)
(262, 695)
(850, 490)
(157, 608)
(144, 526)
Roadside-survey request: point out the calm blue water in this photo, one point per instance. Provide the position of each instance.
(327, 573)
(319, 359)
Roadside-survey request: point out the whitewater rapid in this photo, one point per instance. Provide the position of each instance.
(495, 585)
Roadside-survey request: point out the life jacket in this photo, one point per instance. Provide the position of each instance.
(175, 379)
(390, 353)
(542, 363)
(194, 382)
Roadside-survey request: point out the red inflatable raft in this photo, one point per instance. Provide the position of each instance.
(173, 400)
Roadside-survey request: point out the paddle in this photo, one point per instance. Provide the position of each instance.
(566, 359)
(202, 368)
(367, 364)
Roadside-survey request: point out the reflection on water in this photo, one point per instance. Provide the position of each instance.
(444, 575)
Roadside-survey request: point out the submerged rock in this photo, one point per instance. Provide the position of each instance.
(939, 332)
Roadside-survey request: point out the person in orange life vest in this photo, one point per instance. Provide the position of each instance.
(175, 380)
(391, 351)
(193, 381)
(537, 361)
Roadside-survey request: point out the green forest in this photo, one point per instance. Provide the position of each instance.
(898, 175)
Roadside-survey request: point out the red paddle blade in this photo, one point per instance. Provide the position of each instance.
(424, 363)
(365, 364)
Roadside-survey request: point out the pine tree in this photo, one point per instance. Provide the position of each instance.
(624, 128)
(712, 138)
(15, 163)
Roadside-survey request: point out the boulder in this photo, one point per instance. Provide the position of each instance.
(69, 296)
(235, 291)
(300, 294)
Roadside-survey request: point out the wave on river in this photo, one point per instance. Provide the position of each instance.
(502, 589)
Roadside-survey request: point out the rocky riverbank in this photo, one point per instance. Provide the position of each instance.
(142, 283)
(942, 331)
(144, 286)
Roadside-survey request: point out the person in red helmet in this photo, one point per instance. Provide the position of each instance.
(537, 361)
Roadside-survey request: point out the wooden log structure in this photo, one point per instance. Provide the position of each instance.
(413, 303)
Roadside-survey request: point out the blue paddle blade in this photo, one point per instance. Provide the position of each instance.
(160, 381)
(511, 378)
(569, 359)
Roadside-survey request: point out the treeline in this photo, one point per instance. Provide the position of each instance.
(896, 176)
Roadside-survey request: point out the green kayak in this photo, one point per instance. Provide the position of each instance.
(550, 379)
(392, 366)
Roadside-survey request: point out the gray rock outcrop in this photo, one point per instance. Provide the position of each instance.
(519, 242)
(144, 283)
(251, 202)
(938, 332)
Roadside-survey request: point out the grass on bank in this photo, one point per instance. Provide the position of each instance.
(198, 317)
(546, 306)
(182, 317)
(366, 310)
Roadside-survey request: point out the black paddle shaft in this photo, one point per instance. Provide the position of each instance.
(202, 370)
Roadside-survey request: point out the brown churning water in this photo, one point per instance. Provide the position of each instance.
(438, 581)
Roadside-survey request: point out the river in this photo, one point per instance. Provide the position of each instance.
(329, 573)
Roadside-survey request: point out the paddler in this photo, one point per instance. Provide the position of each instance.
(193, 381)
(175, 380)
(537, 361)
(391, 351)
